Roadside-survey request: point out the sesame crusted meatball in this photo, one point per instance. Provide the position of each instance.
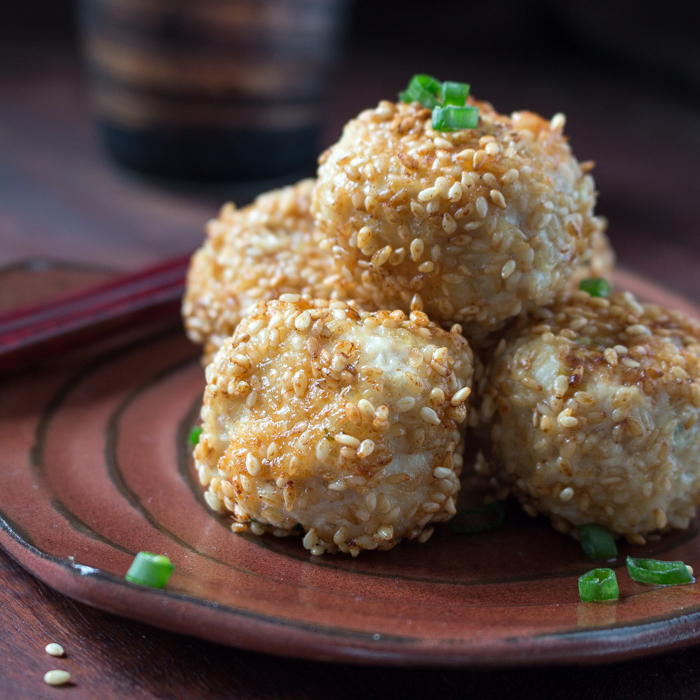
(593, 407)
(471, 226)
(340, 424)
(256, 253)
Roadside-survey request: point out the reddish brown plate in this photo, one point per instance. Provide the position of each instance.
(95, 467)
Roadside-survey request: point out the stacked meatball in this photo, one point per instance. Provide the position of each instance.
(338, 423)
(472, 226)
(593, 408)
(269, 248)
(337, 399)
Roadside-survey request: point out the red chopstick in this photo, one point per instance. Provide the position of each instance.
(150, 297)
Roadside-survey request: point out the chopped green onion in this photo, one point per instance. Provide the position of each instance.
(596, 542)
(595, 286)
(665, 573)
(194, 434)
(453, 118)
(423, 89)
(150, 569)
(498, 509)
(454, 93)
(405, 96)
(597, 585)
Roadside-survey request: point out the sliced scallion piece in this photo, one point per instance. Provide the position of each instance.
(664, 573)
(453, 118)
(454, 93)
(596, 542)
(194, 434)
(423, 89)
(465, 522)
(150, 569)
(598, 585)
(595, 286)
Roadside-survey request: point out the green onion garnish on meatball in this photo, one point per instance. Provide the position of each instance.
(596, 287)
(596, 542)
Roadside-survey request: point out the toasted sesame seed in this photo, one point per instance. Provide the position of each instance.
(460, 396)
(416, 248)
(480, 158)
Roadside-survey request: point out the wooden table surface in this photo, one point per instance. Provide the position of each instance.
(61, 198)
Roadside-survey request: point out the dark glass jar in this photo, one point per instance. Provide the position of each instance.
(211, 89)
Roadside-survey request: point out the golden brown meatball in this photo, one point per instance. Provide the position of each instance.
(471, 226)
(593, 407)
(268, 248)
(337, 423)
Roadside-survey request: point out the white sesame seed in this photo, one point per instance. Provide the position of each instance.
(428, 194)
(212, 500)
(442, 143)
(252, 464)
(289, 297)
(54, 649)
(385, 532)
(566, 494)
(558, 121)
(426, 534)
(310, 538)
(566, 420)
(498, 199)
(302, 321)
(441, 472)
(449, 225)
(508, 269)
(348, 440)
(429, 416)
(365, 449)
(482, 206)
(366, 409)
(610, 356)
(56, 677)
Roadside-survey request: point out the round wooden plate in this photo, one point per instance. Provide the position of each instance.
(96, 466)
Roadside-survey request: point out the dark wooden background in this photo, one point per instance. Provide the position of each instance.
(626, 74)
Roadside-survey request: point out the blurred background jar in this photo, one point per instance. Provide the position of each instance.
(211, 89)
